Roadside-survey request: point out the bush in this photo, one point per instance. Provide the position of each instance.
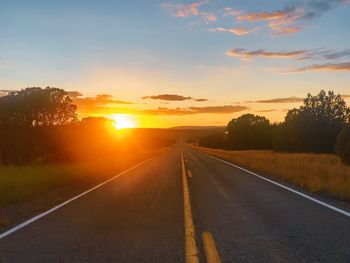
(343, 144)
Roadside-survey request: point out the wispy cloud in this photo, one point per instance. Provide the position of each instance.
(74, 94)
(292, 99)
(288, 20)
(315, 8)
(230, 11)
(226, 109)
(258, 16)
(105, 109)
(330, 55)
(243, 53)
(239, 31)
(187, 10)
(325, 54)
(272, 110)
(282, 29)
(172, 97)
(281, 22)
(325, 67)
(219, 109)
(92, 104)
(315, 54)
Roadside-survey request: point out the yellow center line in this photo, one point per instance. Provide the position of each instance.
(191, 252)
(211, 253)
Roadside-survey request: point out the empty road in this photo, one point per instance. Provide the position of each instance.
(183, 206)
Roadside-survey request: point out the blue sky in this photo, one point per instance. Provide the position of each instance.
(226, 51)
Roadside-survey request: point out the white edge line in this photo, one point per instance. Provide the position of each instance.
(33, 219)
(283, 186)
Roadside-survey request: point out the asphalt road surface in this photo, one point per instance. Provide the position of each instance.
(232, 216)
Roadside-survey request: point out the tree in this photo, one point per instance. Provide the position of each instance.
(29, 122)
(248, 132)
(343, 144)
(213, 140)
(37, 107)
(315, 125)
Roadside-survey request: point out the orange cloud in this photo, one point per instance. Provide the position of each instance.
(258, 16)
(186, 10)
(282, 22)
(286, 25)
(208, 16)
(94, 104)
(283, 30)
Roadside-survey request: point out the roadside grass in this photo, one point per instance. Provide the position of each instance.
(320, 173)
(18, 183)
(43, 184)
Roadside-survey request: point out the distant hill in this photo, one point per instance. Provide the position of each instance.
(197, 127)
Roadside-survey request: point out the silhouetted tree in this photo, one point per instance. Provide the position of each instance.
(315, 125)
(27, 123)
(213, 140)
(343, 144)
(37, 107)
(248, 132)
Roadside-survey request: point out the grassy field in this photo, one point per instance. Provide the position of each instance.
(322, 173)
(18, 183)
(43, 185)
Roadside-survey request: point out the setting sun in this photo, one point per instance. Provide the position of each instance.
(122, 121)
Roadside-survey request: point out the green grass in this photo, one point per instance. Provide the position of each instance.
(321, 173)
(20, 182)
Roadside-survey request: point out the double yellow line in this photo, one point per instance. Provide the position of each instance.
(191, 251)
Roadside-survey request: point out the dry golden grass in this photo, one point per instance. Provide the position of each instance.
(322, 173)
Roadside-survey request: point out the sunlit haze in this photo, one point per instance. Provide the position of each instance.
(122, 121)
(175, 131)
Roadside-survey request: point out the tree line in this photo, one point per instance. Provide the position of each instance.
(320, 125)
(40, 125)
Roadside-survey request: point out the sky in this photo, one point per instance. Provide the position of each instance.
(173, 63)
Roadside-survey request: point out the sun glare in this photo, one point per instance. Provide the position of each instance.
(122, 121)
